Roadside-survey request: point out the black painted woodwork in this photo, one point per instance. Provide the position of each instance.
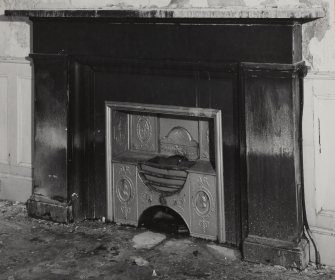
(130, 62)
(172, 42)
(272, 109)
(249, 69)
(51, 120)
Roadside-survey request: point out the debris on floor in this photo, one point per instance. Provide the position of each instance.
(148, 240)
(34, 249)
(139, 261)
(227, 253)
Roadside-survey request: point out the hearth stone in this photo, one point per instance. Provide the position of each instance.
(244, 63)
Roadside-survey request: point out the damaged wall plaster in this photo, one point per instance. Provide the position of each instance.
(15, 33)
(319, 40)
(318, 36)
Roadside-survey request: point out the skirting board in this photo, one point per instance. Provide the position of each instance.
(325, 241)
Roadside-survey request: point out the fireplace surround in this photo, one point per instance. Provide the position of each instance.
(240, 69)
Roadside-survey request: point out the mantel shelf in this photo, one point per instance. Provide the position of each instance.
(289, 14)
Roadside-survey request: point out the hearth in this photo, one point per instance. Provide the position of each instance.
(166, 156)
(123, 103)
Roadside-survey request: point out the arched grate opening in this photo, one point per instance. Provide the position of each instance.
(163, 219)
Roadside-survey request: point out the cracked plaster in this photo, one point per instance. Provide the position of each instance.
(318, 36)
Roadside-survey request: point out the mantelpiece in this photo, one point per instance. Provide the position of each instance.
(246, 64)
(300, 14)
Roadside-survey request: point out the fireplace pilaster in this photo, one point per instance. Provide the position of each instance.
(273, 108)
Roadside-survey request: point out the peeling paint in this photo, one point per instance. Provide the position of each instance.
(321, 54)
(319, 41)
(26, 4)
(317, 30)
(171, 3)
(16, 32)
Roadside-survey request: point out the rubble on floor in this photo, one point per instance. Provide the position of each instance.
(35, 249)
(147, 240)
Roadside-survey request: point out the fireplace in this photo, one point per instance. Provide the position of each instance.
(169, 156)
(123, 103)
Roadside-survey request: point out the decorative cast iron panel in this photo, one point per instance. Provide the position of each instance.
(204, 210)
(144, 133)
(125, 193)
(119, 132)
(180, 142)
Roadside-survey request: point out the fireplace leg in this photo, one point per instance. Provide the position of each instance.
(272, 94)
(48, 209)
(287, 254)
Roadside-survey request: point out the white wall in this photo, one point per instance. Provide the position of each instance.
(319, 132)
(15, 129)
(15, 107)
(319, 160)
